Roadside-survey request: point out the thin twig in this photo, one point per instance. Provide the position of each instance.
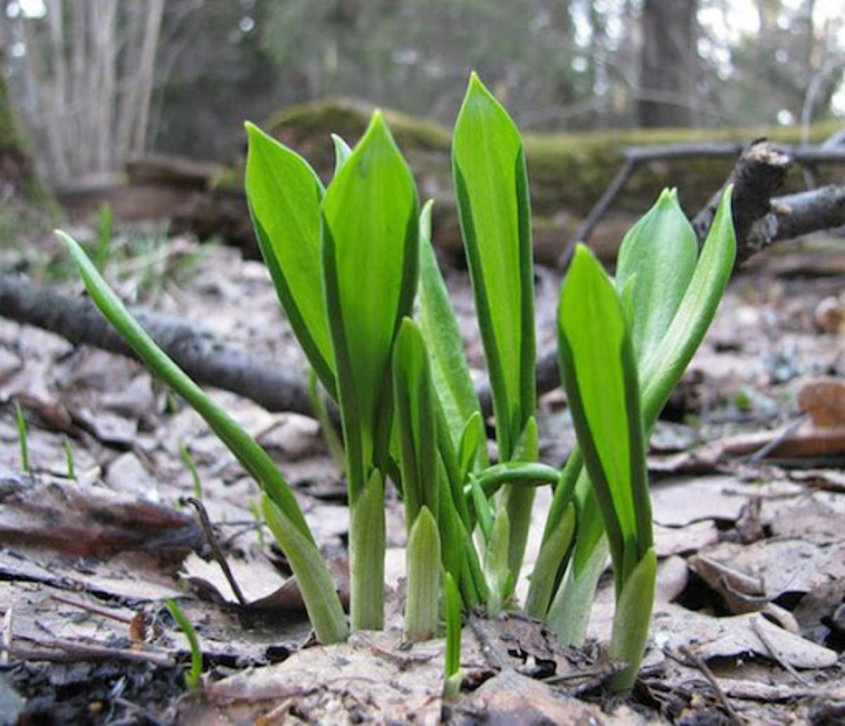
(488, 650)
(8, 636)
(71, 650)
(699, 663)
(93, 609)
(782, 435)
(775, 653)
(217, 553)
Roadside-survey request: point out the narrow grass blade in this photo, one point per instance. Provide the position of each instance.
(423, 567)
(284, 195)
(23, 438)
(312, 575)
(101, 256)
(494, 211)
(192, 677)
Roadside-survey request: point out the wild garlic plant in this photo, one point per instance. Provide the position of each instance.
(355, 271)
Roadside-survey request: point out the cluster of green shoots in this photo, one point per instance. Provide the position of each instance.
(356, 274)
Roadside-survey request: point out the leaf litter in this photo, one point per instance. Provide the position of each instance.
(749, 622)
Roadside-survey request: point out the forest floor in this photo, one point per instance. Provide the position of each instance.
(748, 498)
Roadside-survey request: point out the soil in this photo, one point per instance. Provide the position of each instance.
(748, 497)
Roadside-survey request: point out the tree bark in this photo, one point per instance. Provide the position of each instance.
(668, 62)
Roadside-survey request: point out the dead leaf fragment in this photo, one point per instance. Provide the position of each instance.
(824, 400)
(60, 515)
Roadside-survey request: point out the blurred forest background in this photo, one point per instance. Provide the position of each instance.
(98, 81)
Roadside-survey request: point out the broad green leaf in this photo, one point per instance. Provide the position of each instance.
(312, 576)
(449, 367)
(694, 314)
(423, 589)
(370, 263)
(657, 257)
(284, 195)
(600, 377)
(632, 619)
(413, 397)
(255, 460)
(491, 185)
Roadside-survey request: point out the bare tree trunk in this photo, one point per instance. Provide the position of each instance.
(668, 62)
(146, 72)
(94, 64)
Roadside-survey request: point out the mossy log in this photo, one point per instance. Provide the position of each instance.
(568, 172)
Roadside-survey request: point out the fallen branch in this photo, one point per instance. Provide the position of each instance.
(808, 157)
(200, 354)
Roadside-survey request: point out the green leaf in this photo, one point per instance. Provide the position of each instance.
(631, 621)
(370, 263)
(694, 314)
(284, 195)
(491, 185)
(452, 613)
(657, 257)
(472, 452)
(545, 570)
(481, 507)
(569, 611)
(366, 555)
(312, 576)
(342, 152)
(192, 677)
(423, 566)
(496, 570)
(601, 384)
(247, 451)
(518, 500)
(294, 536)
(449, 367)
(415, 421)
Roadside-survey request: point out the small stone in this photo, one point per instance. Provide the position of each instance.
(830, 315)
